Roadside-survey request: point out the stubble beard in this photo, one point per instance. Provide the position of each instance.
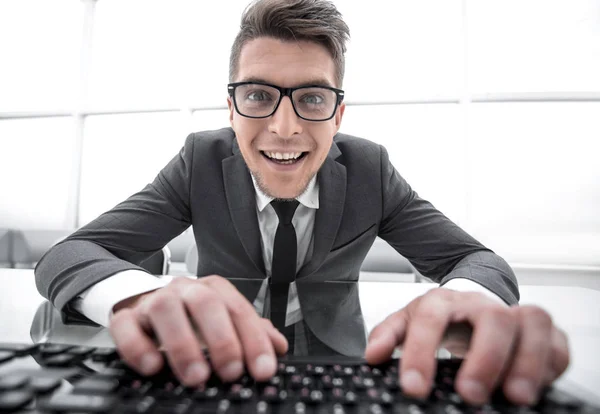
(264, 189)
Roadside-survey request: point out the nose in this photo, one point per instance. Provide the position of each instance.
(284, 122)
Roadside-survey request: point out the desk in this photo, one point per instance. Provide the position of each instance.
(575, 310)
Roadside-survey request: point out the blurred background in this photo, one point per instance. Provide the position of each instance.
(489, 108)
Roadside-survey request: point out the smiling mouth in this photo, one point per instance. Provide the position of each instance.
(284, 158)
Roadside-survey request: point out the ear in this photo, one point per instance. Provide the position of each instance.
(339, 115)
(231, 108)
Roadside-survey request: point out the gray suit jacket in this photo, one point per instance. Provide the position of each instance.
(208, 185)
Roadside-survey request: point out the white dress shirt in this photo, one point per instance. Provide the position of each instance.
(97, 302)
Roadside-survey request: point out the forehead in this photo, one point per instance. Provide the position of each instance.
(285, 63)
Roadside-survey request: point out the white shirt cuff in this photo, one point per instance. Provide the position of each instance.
(97, 302)
(465, 285)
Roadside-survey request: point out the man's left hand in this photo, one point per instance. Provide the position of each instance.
(517, 348)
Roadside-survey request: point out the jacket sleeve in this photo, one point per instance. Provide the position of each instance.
(438, 248)
(121, 238)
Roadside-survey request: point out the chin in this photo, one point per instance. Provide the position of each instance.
(283, 194)
(281, 191)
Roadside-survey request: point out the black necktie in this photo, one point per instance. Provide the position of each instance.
(283, 267)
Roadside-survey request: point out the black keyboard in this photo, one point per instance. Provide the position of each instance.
(56, 378)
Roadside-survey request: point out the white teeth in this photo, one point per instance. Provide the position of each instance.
(284, 155)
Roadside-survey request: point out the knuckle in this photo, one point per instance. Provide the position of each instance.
(161, 301)
(215, 280)
(267, 322)
(130, 351)
(199, 296)
(120, 317)
(180, 281)
(180, 350)
(501, 317)
(223, 351)
(439, 294)
(239, 309)
(537, 314)
(429, 313)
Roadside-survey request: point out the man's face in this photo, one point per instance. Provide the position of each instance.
(284, 64)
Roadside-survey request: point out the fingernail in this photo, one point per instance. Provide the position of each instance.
(149, 363)
(412, 380)
(522, 390)
(265, 365)
(475, 391)
(233, 370)
(196, 372)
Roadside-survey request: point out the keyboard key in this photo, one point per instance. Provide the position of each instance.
(172, 407)
(96, 386)
(74, 402)
(53, 349)
(262, 408)
(14, 400)
(81, 350)
(18, 349)
(13, 382)
(559, 398)
(6, 356)
(335, 388)
(61, 360)
(104, 354)
(138, 405)
(42, 385)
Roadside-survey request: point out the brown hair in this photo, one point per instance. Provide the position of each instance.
(311, 20)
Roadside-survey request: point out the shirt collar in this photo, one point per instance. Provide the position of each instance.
(309, 198)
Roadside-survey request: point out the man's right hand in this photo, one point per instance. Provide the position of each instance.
(236, 337)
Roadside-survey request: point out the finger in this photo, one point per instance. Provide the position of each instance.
(210, 315)
(425, 330)
(256, 343)
(526, 374)
(133, 344)
(559, 355)
(494, 335)
(279, 340)
(172, 326)
(384, 338)
(560, 351)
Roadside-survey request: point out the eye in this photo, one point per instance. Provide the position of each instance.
(312, 99)
(258, 96)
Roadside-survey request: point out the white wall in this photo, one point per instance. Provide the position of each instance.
(489, 108)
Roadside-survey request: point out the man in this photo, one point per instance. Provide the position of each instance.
(286, 107)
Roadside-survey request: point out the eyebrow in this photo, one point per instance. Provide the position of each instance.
(310, 82)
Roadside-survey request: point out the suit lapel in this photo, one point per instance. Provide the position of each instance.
(332, 197)
(241, 199)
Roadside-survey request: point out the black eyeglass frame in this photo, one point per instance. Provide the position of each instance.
(285, 92)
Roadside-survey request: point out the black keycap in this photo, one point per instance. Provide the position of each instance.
(12, 382)
(172, 407)
(61, 360)
(43, 385)
(391, 383)
(140, 405)
(18, 349)
(74, 402)
(53, 349)
(104, 354)
(14, 400)
(96, 386)
(559, 398)
(81, 350)
(6, 356)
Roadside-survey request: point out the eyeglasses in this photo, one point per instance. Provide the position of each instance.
(261, 100)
